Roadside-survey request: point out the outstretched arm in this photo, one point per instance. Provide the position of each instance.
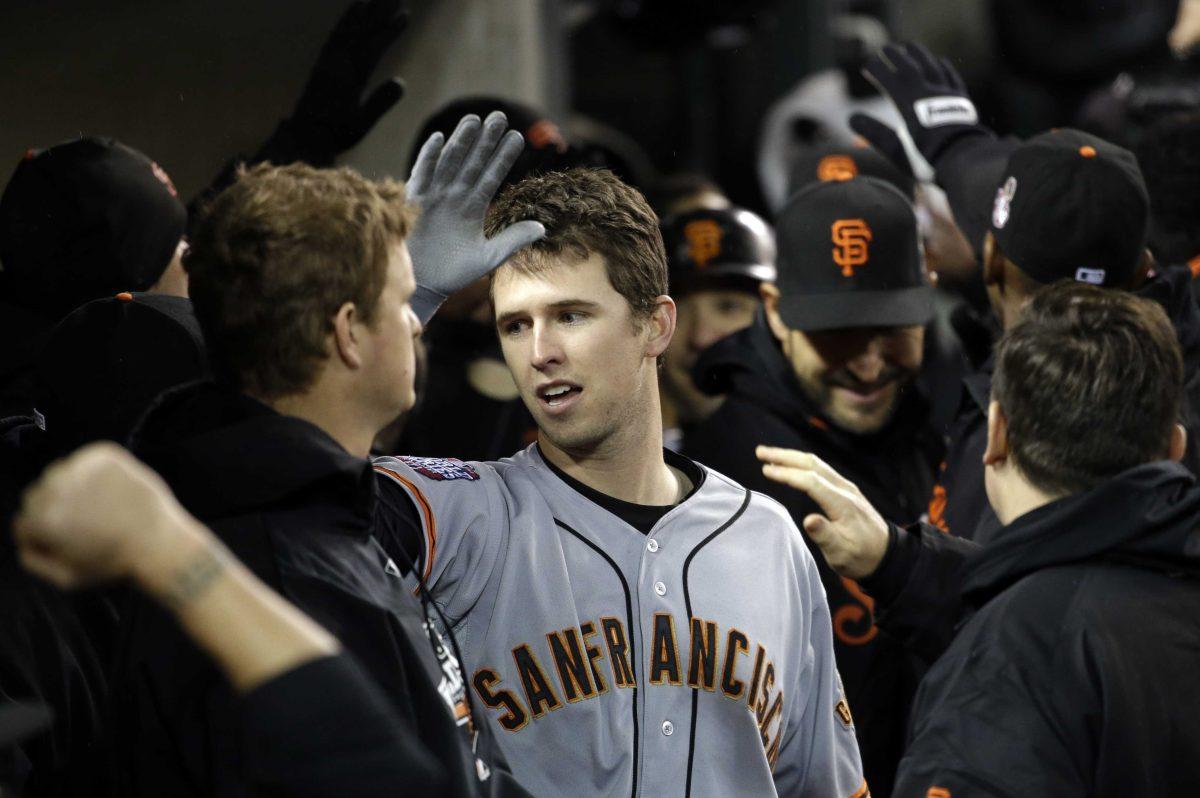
(913, 574)
(100, 515)
(967, 157)
(332, 114)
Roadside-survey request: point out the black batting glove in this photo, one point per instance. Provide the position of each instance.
(930, 95)
(331, 115)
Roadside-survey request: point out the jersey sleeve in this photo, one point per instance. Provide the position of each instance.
(462, 523)
(819, 754)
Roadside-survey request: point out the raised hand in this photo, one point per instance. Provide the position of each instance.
(929, 94)
(453, 181)
(850, 533)
(332, 115)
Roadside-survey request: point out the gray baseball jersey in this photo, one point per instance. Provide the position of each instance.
(696, 660)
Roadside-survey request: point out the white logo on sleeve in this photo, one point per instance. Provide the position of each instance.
(1092, 276)
(1002, 209)
(949, 110)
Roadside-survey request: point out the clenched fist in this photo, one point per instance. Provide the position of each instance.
(97, 516)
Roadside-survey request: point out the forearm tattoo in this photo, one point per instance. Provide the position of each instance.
(193, 579)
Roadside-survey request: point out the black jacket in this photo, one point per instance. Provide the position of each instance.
(350, 732)
(54, 648)
(895, 470)
(966, 504)
(916, 587)
(1076, 676)
(298, 510)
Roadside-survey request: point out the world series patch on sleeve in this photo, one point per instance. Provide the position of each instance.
(441, 468)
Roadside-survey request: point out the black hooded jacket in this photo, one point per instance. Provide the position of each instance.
(298, 509)
(1076, 675)
(916, 585)
(895, 470)
(966, 505)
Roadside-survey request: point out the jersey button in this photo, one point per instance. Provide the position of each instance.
(652, 545)
(660, 588)
(668, 728)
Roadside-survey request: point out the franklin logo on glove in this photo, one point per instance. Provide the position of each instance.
(938, 111)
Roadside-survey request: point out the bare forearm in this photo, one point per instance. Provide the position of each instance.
(251, 632)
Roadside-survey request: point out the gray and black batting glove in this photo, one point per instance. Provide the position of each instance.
(929, 94)
(452, 182)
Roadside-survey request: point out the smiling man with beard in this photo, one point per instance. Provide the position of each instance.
(828, 368)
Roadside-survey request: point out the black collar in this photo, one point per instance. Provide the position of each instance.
(641, 517)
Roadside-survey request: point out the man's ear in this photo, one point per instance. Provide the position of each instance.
(345, 336)
(993, 262)
(661, 325)
(1178, 445)
(770, 297)
(997, 436)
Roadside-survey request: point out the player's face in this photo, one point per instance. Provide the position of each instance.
(704, 317)
(856, 375)
(390, 354)
(575, 351)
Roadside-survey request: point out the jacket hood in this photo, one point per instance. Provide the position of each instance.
(1145, 516)
(224, 453)
(750, 364)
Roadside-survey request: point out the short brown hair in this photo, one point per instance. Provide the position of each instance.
(275, 255)
(1091, 382)
(586, 211)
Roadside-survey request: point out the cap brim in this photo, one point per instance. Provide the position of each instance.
(900, 307)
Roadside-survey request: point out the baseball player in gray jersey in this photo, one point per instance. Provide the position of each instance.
(632, 622)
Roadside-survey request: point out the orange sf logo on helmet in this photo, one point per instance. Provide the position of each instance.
(851, 238)
(836, 168)
(703, 240)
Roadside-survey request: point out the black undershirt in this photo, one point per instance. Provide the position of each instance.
(641, 517)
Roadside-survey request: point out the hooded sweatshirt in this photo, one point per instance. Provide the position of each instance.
(894, 468)
(1076, 675)
(298, 510)
(966, 510)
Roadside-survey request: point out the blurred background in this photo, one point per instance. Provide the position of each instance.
(727, 89)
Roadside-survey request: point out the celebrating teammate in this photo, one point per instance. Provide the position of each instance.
(633, 622)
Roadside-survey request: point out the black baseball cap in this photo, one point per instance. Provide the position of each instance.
(1072, 206)
(707, 246)
(850, 256)
(105, 363)
(82, 220)
(546, 147)
(828, 162)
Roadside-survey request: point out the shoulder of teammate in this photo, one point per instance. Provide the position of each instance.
(455, 510)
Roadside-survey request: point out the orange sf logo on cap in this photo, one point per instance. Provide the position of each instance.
(703, 240)
(851, 250)
(836, 168)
